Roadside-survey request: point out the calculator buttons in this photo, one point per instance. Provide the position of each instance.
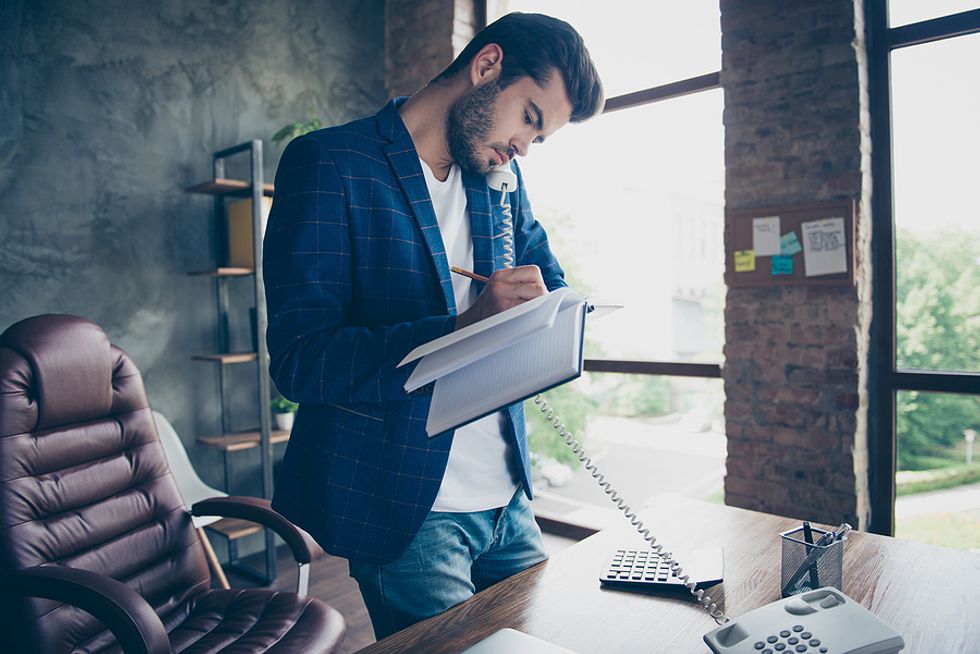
(636, 568)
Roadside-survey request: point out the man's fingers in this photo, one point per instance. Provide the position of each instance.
(518, 275)
(531, 290)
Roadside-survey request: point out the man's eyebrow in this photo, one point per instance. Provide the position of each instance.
(539, 123)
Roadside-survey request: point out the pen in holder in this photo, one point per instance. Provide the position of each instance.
(810, 565)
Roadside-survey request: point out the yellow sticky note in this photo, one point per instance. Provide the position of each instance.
(744, 260)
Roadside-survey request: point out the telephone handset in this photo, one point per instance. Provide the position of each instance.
(502, 178)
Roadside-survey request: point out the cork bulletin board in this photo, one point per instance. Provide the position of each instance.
(799, 244)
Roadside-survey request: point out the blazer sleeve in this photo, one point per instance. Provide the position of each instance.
(316, 353)
(531, 241)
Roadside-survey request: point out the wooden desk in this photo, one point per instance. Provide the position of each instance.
(927, 593)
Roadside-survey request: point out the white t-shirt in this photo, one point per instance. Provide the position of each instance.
(479, 475)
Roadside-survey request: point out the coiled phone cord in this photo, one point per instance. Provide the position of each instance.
(508, 226)
(709, 605)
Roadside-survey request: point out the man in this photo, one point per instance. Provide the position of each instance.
(368, 218)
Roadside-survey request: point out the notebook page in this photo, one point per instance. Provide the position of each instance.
(536, 362)
(459, 348)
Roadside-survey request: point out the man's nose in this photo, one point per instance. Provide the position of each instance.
(519, 147)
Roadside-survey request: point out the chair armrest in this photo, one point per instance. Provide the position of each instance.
(257, 509)
(122, 610)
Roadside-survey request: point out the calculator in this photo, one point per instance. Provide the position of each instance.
(640, 569)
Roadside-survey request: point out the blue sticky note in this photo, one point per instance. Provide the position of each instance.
(789, 244)
(782, 265)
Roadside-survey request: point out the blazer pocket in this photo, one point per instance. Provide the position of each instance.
(370, 411)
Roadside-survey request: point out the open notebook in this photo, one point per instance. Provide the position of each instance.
(503, 359)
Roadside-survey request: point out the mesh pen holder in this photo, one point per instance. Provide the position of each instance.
(805, 566)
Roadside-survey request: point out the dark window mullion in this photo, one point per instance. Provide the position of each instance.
(936, 381)
(664, 92)
(935, 29)
(661, 368)
(881, 441)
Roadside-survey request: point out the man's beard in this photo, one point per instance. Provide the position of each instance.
(469, 123)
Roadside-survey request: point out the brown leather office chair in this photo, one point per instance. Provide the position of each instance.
(92, 523)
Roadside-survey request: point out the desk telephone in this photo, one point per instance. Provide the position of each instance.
(823, 620)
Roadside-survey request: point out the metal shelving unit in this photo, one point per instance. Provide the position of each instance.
(222, 188)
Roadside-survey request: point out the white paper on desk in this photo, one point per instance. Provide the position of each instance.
(765, 236)
(824, 247)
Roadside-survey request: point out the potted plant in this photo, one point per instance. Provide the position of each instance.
(292, 130)
(284, 411)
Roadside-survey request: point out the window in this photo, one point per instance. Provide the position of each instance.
(633, 202)
(935, 140)
(926, 329)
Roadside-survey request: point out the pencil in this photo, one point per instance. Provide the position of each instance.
(808, 537)
(471, 275)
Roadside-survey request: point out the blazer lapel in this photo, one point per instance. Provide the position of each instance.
(404, 161)
(481, 223)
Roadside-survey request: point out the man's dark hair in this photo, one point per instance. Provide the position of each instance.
(535, 45)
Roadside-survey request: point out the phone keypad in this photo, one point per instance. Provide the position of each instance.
(630, 566)
(796, 640)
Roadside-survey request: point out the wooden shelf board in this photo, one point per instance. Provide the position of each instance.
(233, 528)
(222, 272)
(223, 186)
(241, 440)
(228, 357)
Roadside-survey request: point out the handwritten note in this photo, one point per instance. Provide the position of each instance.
(782, 265)
(744, 261)
(824, 247)
(765, 236)
(789, 244)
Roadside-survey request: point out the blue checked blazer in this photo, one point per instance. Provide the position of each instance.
(356, 276)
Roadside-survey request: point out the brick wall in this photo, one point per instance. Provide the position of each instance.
(796, 131)
(422, 37)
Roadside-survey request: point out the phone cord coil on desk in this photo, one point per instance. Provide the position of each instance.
(607, 487)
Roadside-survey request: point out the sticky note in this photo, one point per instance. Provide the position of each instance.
(782, 265)
(789, 244)
(824, 247)
(744, 260)
(765, 236)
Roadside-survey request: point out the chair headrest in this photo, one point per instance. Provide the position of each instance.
(68, 376)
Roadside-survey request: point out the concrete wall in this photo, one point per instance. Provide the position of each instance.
(108, 110)
(796, 132)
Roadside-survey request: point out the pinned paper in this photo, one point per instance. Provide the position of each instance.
(824, 247)
(765, 236)
(782, 265)
(789, 244)
(744, 260)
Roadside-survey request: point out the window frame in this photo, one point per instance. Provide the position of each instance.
(885, 378)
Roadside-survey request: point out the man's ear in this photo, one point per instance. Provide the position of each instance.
(486, 65)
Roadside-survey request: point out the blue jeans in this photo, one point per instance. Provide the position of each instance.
(453, 556)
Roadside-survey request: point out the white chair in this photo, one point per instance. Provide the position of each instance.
(192, 487)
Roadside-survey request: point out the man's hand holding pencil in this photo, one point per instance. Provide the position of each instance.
(504, 289)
